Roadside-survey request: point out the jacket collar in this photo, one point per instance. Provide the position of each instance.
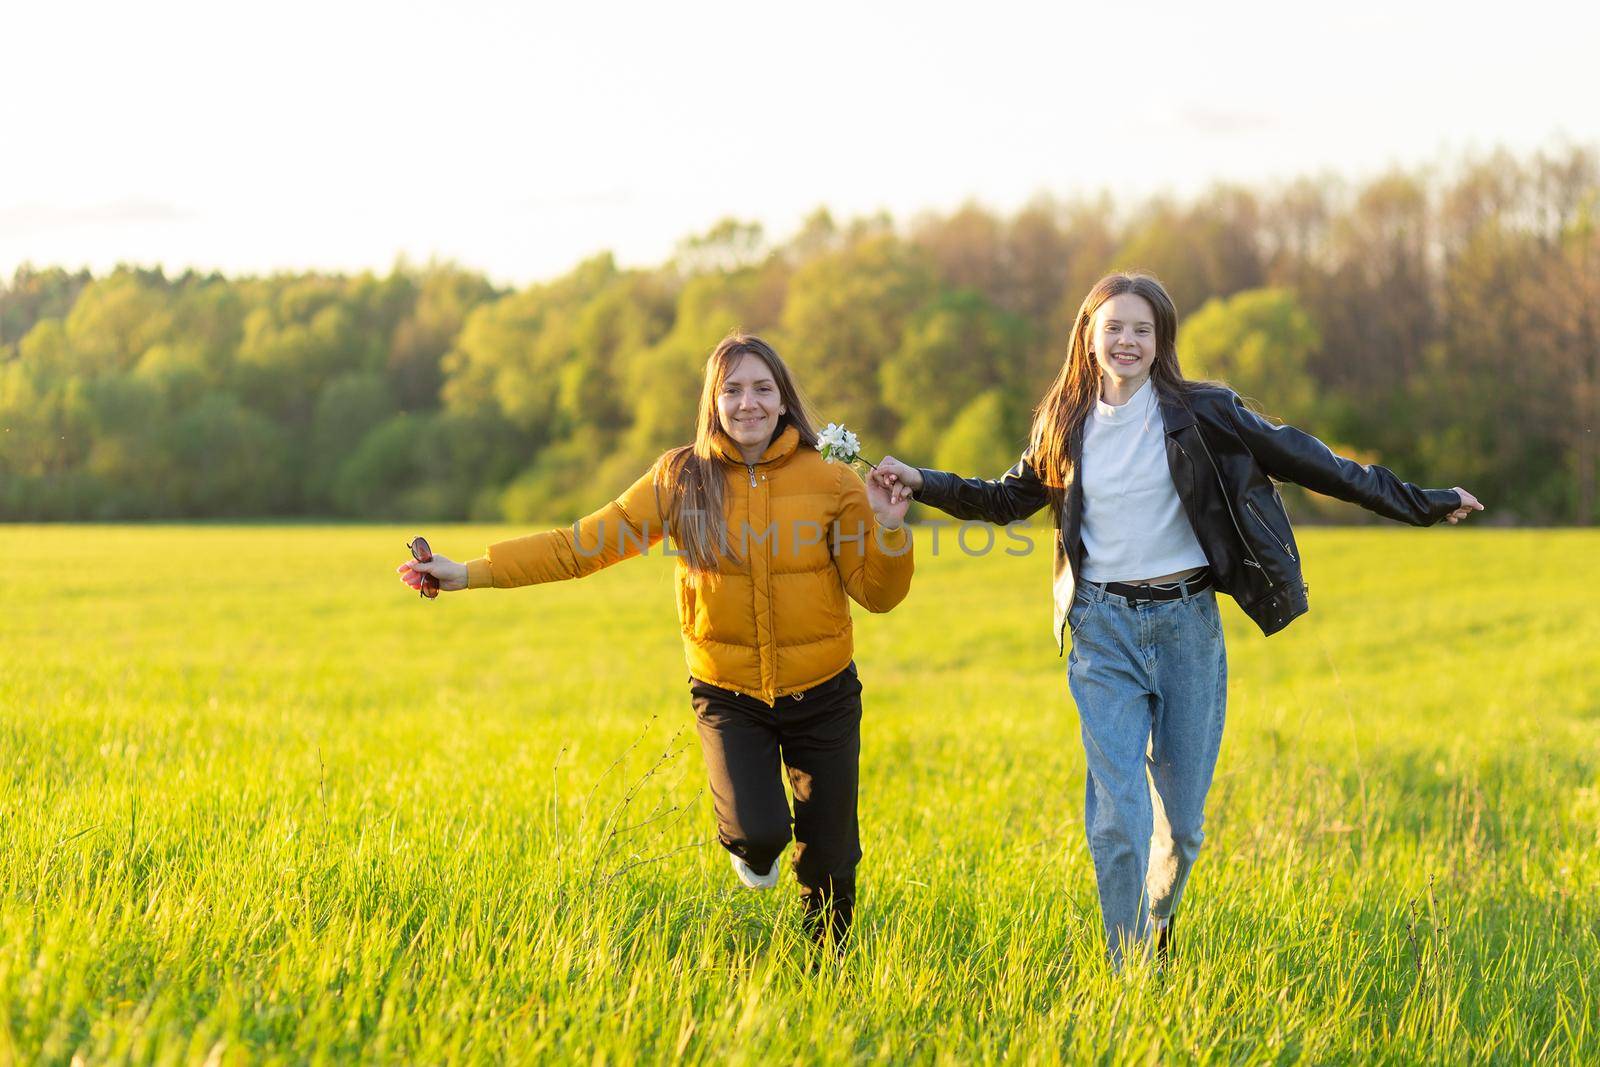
(1174, 412)
(782, 447)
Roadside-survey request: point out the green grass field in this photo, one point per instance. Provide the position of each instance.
(260, 804)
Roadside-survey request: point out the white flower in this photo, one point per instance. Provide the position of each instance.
(837, 443)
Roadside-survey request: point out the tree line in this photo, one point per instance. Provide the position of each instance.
(1442, 321)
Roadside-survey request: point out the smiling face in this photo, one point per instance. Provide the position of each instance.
(1122, 339)
(749, 406)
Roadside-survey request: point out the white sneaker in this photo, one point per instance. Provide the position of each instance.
(750, 878)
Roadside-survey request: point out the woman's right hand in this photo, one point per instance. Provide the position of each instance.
(899, 478)
(452, 575)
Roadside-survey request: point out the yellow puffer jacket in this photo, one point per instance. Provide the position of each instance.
(775, 620)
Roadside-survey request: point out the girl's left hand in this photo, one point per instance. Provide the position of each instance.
(887, 504)
(1469, 504)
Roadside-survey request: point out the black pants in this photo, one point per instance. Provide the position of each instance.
(817, 735)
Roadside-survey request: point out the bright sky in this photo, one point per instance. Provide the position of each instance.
(519, 138)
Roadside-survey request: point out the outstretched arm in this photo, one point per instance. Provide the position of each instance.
(1014, 495)
(622, 529)
(1292, 455)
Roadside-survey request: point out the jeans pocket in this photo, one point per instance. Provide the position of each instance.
(1082, 607)
(1204, 606)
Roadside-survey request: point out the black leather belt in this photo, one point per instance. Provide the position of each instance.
(1134, 594)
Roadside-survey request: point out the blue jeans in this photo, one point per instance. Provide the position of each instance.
(1151, 685)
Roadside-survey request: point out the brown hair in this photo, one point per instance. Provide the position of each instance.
(1056, 440)
(693, 478)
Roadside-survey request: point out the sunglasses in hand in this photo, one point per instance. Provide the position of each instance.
(423, 554)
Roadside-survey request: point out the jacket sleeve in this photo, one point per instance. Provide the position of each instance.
(875, 564)
(622, 529)
(1015, 495)
(1291, 455)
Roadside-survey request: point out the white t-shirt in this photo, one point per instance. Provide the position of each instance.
(1134, 527)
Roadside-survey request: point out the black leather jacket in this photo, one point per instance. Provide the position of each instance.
(1223, 458)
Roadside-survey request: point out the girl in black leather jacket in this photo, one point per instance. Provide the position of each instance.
(1161, 492)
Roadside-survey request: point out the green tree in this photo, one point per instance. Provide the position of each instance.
(608, 335)
(112, 323)
(510, 353)
(845, 314)
(985, 438)
(230, 461)
(284, 362)
(1562, 311)
(207, 324)
(445, 295)
(955, 348)
(348, 409)
(381, 477)
(29, 444)
(966, 250)
(1376, 303)
(1260, 342)
(124, 451)
(426, 466)
(34, 294)
(730, 245)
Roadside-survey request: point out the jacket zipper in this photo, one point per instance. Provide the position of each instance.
(751, 468)
(1250, 556)
(1252, 509)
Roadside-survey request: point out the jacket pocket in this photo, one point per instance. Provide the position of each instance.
(1266, 528)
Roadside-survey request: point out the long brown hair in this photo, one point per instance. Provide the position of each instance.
(1056, 440)
(693, 478)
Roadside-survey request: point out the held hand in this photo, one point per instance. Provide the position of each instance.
(1469, 504)
(898, 477)
(889, 502)
(452, 575)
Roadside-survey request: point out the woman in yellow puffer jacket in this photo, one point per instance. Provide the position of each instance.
(771, 539)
